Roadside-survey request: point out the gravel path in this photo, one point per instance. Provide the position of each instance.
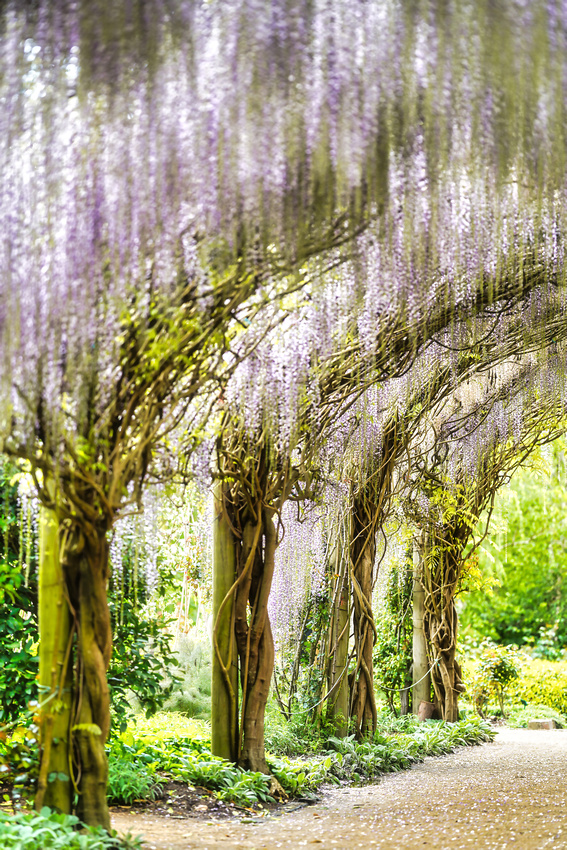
(511, 793)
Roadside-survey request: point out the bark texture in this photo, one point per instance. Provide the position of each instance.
(421, 691)
(85, 562)
(441, 576)
(224, 725)
(55, 673)
(370, 501)
(255, 565)
(363, 554)
(253, 491)
(338, 640)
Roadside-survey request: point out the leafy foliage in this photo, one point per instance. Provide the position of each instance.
(498, 667)
(519, 717)
(18, 608)
(190, 760)
(18, 642)
(543, 683)
(528, 556)
(346, 759)
(191, 687)
(19, 761)
(142, 662)
(129, 783)
(393, 648)
(51, 831)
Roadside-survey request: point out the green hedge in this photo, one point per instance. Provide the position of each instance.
(543, 683)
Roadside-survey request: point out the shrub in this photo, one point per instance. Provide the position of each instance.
(497, 668)
(392, 653)
(19, 761)
(129, 783)
(544, 683)
(347, 759)
(142, 661)
(190, 760)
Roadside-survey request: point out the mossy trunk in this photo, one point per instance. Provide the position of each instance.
(224, 713)
(421, 690)
(362, 556)
(254, 634)
(339, 633)
(55, 672)
(86, 571)
(440, 622)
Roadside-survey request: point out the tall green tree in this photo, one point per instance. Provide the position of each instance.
(527, 556)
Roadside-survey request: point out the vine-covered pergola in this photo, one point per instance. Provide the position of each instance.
(289, 231)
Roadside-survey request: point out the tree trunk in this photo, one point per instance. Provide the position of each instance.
(421, 691)
(86, 571)
(447, 673)
(224, 715)
(339, 632)
(362, 555)
(254, 634)
(55, 672)
(441, 575)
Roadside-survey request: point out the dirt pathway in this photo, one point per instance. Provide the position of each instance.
(512, 793)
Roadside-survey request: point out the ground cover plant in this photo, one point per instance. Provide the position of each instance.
(47, 830)
(519, 716)
(146, 760)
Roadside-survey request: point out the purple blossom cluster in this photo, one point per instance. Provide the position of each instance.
(132, 154)
(299, 569)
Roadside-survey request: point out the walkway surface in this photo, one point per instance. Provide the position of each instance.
(511, 793)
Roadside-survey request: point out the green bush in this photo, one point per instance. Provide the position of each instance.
(18, 603)
(19, 761)
(190, 760)
(406, 741)
(544, 683)
(527, 553)
(50, 831)
(129, 783)
(142, 661)
(18, 640)
(392, 653)
(498, 667)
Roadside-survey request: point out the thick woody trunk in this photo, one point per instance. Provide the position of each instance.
(86, 571)
(369, 507)
(55, 672)
(440, 625)
(254, 635)
(224, 715)
(421, 691)
(339, 631)
(447, 672)
(253, 755)
(362, 555)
